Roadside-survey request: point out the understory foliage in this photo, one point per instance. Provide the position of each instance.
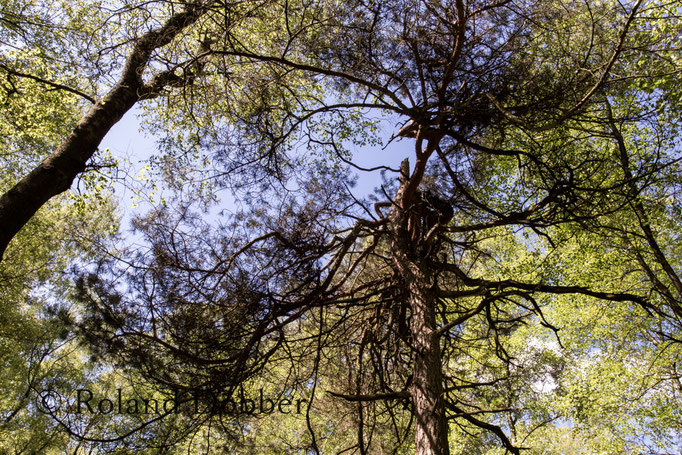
(511, 286)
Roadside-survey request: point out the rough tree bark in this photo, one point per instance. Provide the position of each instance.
(426, 390)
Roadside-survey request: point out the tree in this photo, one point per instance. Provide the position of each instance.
(38, 351)
(509, 105)
(56, 173)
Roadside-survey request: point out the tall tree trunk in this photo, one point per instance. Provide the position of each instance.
(431, 435)
(426, 390)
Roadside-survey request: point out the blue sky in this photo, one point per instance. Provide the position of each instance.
(127, 143)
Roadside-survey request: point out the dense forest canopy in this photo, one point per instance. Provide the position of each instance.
(512, 286)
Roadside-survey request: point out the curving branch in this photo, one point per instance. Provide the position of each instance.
(57, 172)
